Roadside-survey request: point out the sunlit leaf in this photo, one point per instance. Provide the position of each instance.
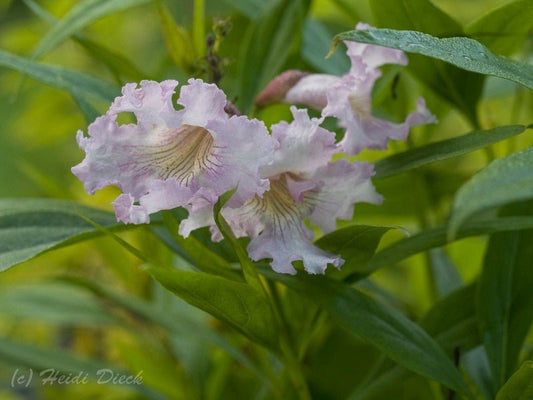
(75, 82)
(444, 149)
(82, 14)
(520, 385)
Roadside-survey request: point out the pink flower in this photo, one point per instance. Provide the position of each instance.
(304, 183)
(348, 98)
(171, 158)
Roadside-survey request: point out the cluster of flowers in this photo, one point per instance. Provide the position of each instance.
(189, 157)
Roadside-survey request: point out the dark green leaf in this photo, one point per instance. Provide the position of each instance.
(505, 180)
(400, 339)
(451, 321)
(238, 304)
(459, 87)
(444, 149)
(200, 256)
(504, 29)
(356, 245)
(437, 237)
(444, 272)
(462, 52)
(315, 45)
(267, 45)
(29, 227)
(75, 82)
(520, 385)
(505, 298)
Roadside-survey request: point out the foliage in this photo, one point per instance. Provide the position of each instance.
(434, 298)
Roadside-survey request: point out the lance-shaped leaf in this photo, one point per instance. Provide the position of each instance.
(462, 52)
(396, 336)
(503, 181)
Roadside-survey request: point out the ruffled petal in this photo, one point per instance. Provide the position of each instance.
(287, 242)
(164, 161)
(129, 213)
(303, 146)
(342, 185)
(151, 103)
(374, 133)
(202, 102)
(243, 146)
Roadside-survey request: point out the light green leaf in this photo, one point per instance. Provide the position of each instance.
(269, 41)
(396, 336)
(462, 52)
(82, 14)
(238, 304)
(117, 64)
(520, 385)
(504, 298)
(503, 181)
(53, 302)
(29, 227)
(444, 149)
(437, 237)
(177, 39)
(504, 29)
(459, 87)
(77, 83)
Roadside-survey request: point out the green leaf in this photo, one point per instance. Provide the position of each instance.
(504, 29)
(444, 149)
(269, 41)
(117, 64)
(82, 14)
(53, 302)
(504, 298)
(462, 52)
(443, 272)
(238, 304)
(451, 321)
(248, 268)
(355, 244)
(29, 227)
(200, 256)
(396, 336)
(437, 237)
(178, 324)
(315, 44)
(520, 385)
(460, 88)
(503, 181)
(76, 83)
(177, 39)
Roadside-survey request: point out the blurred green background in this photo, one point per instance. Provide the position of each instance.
(177, 348)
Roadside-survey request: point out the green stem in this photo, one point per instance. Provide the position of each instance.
(199, 27)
